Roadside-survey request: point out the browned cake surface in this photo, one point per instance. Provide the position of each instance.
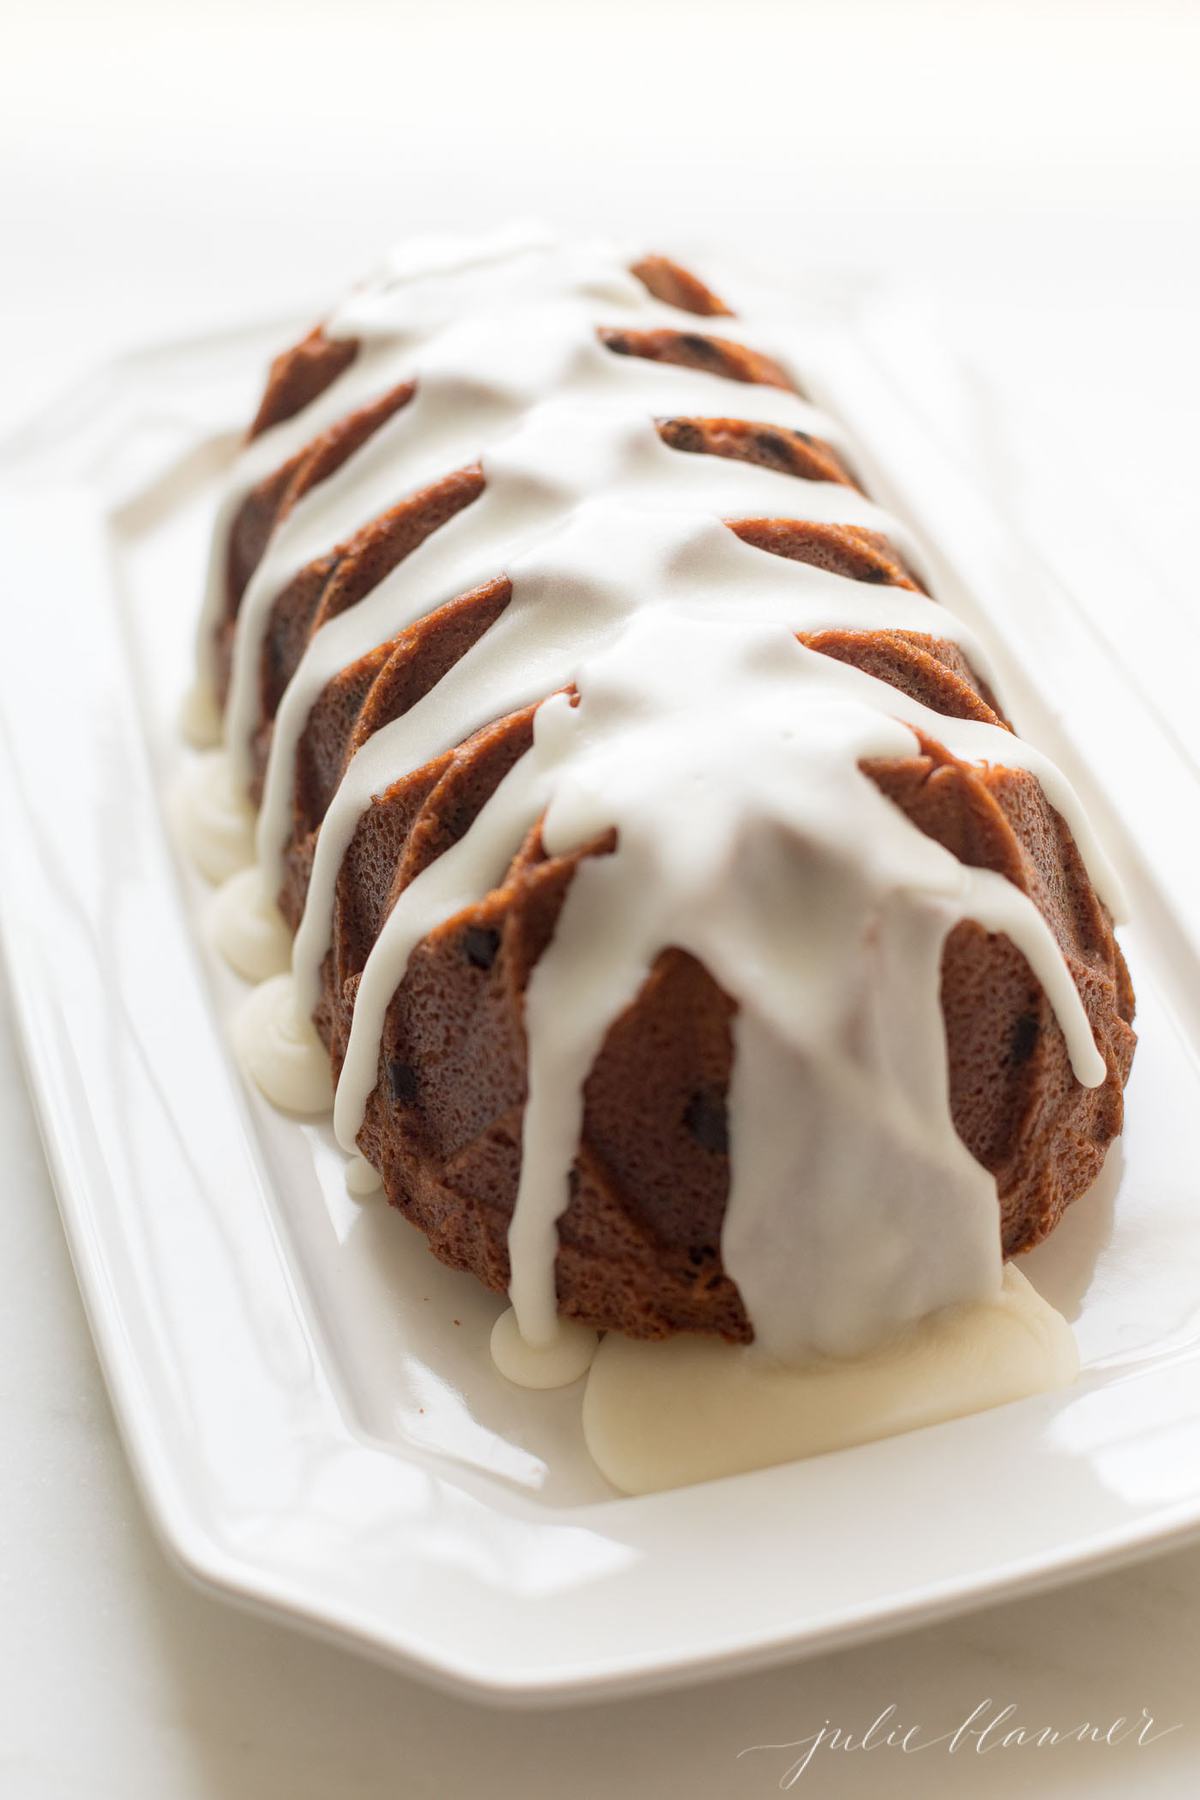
(640, 1239)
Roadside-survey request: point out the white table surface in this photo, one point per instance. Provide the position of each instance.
(166, 167)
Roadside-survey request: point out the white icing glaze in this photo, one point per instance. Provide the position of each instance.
(563, 452)
(248, 928)
(556, 1363)
(213, 819)
(854, 1208)
(486, 329)
(361, 1178)
(662, 1415)
(279, 1047)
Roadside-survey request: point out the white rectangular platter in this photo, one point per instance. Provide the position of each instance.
(306, 1395)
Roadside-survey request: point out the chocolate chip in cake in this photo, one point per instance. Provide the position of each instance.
(773, 445)
(481, 944)
(705, 1117)
(402, 1080)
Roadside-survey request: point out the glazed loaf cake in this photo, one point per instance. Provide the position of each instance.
(698, 947)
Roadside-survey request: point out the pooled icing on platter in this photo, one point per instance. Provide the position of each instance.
(248, 928)
(213, 818)
(200, 716)
(813, 901)
(278, 1045)
(664, 1415)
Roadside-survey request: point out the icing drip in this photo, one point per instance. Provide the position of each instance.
(361, 1178)
(556, 1363)
(725, 755)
